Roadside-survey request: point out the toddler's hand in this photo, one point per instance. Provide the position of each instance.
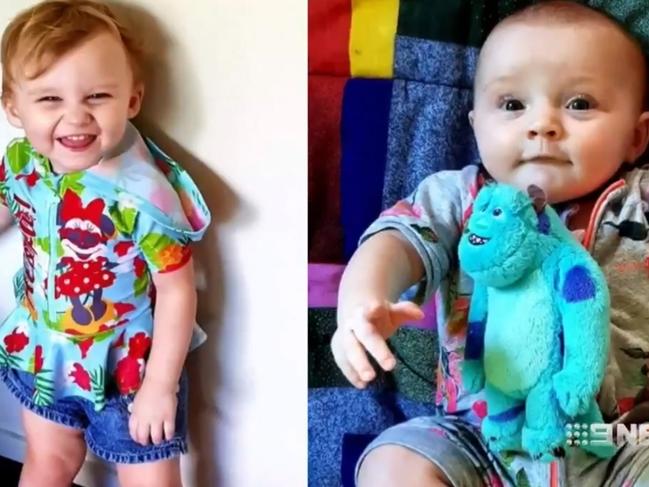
(153, 414)
(366, 329)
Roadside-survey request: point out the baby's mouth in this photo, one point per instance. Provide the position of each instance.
(77, 142)
(547, 160)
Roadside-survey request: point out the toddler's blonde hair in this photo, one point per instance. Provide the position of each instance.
(38, 36)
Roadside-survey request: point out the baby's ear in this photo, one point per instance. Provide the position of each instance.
(471, 118)
(537, 195)
(640, 138)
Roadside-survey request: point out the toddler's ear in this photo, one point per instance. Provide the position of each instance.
(135, 101)
(12, 113)
(640, 138)
(471, 118)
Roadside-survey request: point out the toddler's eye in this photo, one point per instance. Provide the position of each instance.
(512, 105)
(48, 99)
(99, 96)
(579, 104)
(497, 212)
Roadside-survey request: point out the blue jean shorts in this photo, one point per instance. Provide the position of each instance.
(106, 431)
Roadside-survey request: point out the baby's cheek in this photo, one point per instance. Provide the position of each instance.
(604, 144)
(599, 154)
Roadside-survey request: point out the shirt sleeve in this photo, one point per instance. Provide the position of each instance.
(164, 247)
(431, 219)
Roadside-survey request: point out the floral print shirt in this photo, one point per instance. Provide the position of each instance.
(91, 242)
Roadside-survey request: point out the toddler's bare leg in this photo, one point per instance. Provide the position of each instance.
(55, 452)
(163, 473)
(390, 465)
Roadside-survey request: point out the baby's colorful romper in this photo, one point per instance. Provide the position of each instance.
(92, 240)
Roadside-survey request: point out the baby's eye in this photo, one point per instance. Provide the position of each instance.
(512, 105)
(579, 103)
(48, 99)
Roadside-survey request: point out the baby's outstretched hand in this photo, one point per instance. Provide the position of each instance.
(366, 330)
(153, 414)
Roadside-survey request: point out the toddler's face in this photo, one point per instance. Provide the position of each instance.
(77, 110)
(559, 107)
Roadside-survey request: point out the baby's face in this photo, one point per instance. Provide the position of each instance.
(77, 110)
(558, 107)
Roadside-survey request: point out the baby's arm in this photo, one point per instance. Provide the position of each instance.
(414, 241)
(154, 408)
(382, 268)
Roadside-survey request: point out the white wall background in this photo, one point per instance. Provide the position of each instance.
(227, 99)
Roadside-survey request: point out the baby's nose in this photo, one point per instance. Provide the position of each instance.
(546, 127)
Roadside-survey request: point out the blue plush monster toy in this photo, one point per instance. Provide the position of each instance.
(538, 334)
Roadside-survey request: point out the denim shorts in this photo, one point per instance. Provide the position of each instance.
(106, 431)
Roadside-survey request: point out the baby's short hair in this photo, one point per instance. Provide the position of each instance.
(568, 11)
(40, 35)
(573, 12)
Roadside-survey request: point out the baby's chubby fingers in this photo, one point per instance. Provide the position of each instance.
(405, 311)
(376, 345)
(371, 330)
(356, 357)
(340, 357)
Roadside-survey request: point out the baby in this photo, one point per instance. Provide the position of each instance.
(106, 309)
(559, 102)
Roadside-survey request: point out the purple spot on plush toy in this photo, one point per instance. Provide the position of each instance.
(579, 285)
(544, 224)
(508, 414)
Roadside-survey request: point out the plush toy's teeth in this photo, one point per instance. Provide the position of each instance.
(475, 240)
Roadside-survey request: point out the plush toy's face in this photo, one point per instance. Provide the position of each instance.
(499, 242)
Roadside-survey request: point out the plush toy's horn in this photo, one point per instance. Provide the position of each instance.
(537, 195)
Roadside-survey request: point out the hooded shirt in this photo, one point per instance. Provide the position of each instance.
(91, 242)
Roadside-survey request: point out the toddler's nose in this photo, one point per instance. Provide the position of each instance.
(77, 115)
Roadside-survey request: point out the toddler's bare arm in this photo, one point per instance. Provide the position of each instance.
(5, 219)
(154, 408)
